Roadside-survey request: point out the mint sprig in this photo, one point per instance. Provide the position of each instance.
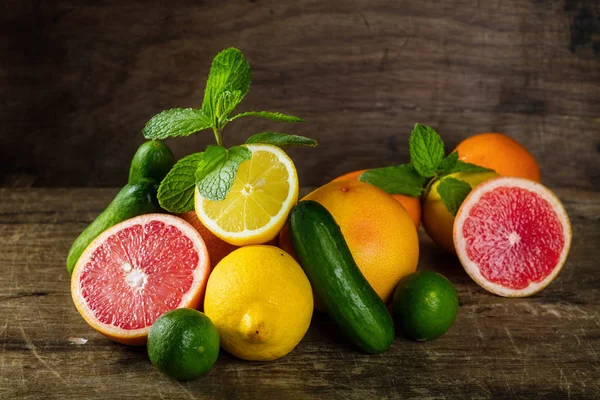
(453, 192)
(401, 179)
(447, 164)
(274, 116)
(229, 72)
(176, 122)
(213, 172)
(216, 172)
(462, 166)
(176, 192)
(426, 150)
(281, 139)
(427, 163)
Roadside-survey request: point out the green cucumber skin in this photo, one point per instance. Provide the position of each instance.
(134, 199)
(345, 293)
(153, 159)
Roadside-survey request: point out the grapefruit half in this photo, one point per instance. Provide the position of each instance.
(512, 236)
(136, 271)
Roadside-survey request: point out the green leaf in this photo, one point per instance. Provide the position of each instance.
(229, 72)
(281, 139)
(227, 102)
(216, 172)
(176, 191)
(448, 163)
(275, 116)
(462, 166)
(401, 179)
(452, 193)
(176, 122)
(426, 150)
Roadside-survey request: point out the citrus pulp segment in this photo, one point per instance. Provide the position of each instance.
(136, 271)
(512, 236)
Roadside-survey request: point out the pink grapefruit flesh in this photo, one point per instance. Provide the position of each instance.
(512, 236)
(136, 271)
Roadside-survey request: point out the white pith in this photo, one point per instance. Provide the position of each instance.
(137, 278)
(460, 243)
(238, 238)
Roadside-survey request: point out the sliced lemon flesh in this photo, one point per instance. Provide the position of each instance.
(256, 208)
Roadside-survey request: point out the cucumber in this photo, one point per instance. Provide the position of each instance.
(153, 159)
(134, 199)
(345, 293)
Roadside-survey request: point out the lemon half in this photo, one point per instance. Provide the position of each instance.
(256, 208)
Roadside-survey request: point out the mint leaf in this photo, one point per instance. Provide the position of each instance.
(227, 102)
(176, 122)
(281, 139)
(176, 191)
(275, 116)
(401, 179)
(462, 166)
(426, 150)
(229, 72)
(216, 172)
(448, 163)
(452, 193)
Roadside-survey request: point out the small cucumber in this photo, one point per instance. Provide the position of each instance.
(153, 159)
(345, 293)
(134, 199)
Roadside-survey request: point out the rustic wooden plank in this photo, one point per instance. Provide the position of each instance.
(89, 74)
(541, 347)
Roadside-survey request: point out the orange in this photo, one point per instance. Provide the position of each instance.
(217, 248)
(380, 233)
(410, 204)
(501, 153)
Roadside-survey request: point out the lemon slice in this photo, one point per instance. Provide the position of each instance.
(256, 208)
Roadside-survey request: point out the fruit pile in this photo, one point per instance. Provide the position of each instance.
(222, 231)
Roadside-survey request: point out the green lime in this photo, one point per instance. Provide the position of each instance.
(183, 343)
(425, 305)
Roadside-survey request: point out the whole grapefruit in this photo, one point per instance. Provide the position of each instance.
(410, 204)
(379, 232)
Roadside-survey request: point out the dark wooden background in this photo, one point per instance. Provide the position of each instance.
(79, 79)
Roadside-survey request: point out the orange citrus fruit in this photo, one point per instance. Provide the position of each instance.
(501, 153)
(410, 204)
(380, 233)
(217, 248)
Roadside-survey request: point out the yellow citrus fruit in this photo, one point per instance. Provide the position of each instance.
(410, 204)
(379, 232)
(260, 301)
(501, 153)
(437, 220)
(255, 209)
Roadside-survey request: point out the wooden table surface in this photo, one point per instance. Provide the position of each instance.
(546, 346)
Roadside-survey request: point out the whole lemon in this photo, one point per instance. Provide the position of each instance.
(436, 218)
(378, 230)
(261, 302)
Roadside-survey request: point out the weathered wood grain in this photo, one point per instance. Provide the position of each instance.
(79, 79)
(547, 346)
